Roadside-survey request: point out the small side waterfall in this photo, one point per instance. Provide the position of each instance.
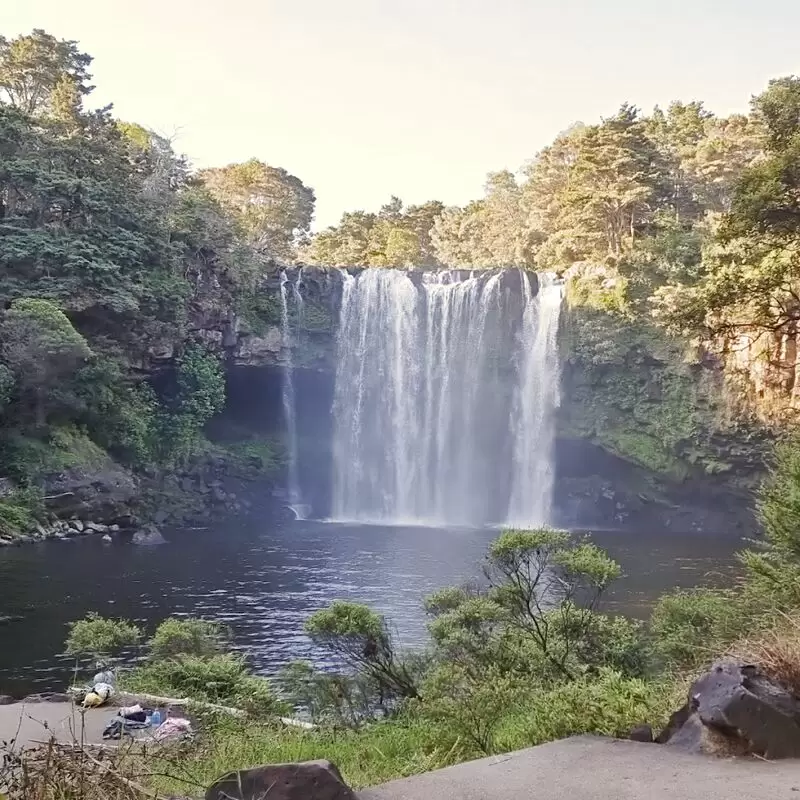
(440, 378)
(289, 408)
(536, 397)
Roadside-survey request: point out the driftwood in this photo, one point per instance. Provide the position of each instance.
(156, 700)
(130, 698)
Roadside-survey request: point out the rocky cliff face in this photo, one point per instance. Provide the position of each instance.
(659, 403)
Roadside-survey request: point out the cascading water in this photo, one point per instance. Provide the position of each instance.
(536, 397)
(289, 409)
(431, 418)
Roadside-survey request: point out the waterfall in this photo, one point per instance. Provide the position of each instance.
(289, 409)
(431, 416)
(536, 397)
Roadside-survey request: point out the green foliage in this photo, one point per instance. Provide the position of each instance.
(35, 68)
(394, 237)
(43, 349)
(265, 456)
(224, 679)
(774, 567)
(273, 207)
(691, 627)
(333, 699)
(201, 385)
(469, 707)
(100, 637)
(19, 511)
(607, 705)
(550, 586)
(199, 394)
(121, 414)
(198, 638)
(259, 310)
(357, 635)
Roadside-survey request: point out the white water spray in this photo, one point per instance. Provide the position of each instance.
(289, 408)
(536, 398)
(432, 422)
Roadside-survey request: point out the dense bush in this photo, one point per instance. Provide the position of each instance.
(198, 638)
(100, 637)
(223, 679)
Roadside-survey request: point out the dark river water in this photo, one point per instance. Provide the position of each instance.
(265, 581)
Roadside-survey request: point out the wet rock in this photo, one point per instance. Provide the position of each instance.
(218, 494)
(76, 525)
(735, 709)
(96, 527)
(107, 538)
(308, 780)
(101, 491)
(148, 536)
(160, 517)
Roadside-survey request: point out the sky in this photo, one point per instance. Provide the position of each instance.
(363, 99)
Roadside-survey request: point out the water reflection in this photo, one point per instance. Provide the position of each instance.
(265, 583)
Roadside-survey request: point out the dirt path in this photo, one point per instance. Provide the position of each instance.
(29, 722)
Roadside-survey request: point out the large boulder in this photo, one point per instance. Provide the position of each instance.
(734, 709)
(101, 491)
(148, 536)
(308, 780)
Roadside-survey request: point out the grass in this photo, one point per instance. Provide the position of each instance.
(412, 743)
(373, 755)
(776, 651)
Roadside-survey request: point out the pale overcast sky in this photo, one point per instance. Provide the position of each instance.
(420, 98)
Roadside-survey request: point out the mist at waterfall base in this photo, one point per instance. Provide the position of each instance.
(445, 391)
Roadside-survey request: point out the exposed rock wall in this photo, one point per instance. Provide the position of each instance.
(650, 399)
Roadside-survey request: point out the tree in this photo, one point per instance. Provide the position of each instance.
(198, 395)
(750, 280)
(394, 237)
(616, 184)
(358, 635)
(550, 587)
(491, 232)
(38, 71)
(42, 348)
(76, 228)
(273, 207)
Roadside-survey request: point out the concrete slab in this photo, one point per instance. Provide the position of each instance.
(595, 768)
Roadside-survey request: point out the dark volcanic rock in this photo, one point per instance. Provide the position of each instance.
(149, 535)
(736, 709)
(103, 492)
(641, 733)
(308, 780)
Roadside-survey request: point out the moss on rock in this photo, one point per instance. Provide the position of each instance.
(645, 396)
